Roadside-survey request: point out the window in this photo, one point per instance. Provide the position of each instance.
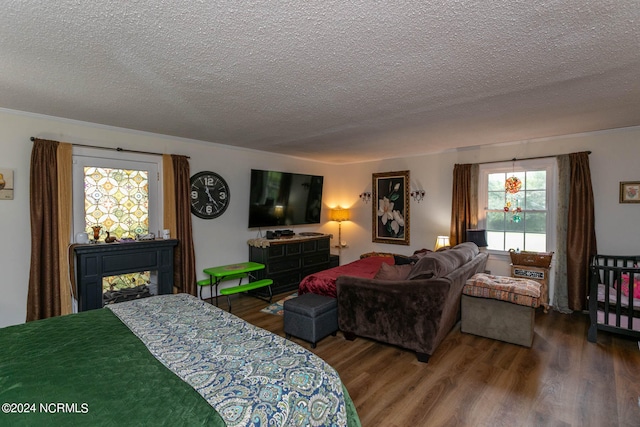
(121, 194)
(524, 220)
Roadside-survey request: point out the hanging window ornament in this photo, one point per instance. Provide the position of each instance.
(516, 214)
(512, 185)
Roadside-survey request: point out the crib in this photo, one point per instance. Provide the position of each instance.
(614, 295)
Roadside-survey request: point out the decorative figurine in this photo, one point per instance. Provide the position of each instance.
(96, 232)
(109, 239)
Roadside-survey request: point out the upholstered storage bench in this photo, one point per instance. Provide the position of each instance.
(501, 308)
(310, 317)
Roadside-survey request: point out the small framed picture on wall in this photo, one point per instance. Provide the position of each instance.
(6, 184)
(630, 192)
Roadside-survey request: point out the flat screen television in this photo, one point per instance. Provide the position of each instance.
(279, 199)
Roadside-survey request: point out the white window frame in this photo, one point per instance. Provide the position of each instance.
(85, 156)
(549, 164)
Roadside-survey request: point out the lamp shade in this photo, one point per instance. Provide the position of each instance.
(478, 236)
(339, 214)
(441, 242)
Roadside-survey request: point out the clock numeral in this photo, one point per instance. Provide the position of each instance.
(209, 209)
(194, 195)
(222, 195)
(209, 181)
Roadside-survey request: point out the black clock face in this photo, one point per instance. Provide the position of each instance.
(209, 195)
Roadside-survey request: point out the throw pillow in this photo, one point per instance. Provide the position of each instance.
(636, 285)
(393, 272)
(402, 259)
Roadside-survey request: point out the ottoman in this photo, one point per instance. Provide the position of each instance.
(310, 317)
(501, 308)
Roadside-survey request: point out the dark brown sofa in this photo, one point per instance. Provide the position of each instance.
(416, 312)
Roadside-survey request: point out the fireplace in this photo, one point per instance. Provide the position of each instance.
(97, 261)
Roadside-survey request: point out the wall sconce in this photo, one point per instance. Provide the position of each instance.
(339, 214)
(365, 197)
(417, 195)
(441, 242)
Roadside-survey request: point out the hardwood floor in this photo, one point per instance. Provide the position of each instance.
(563, 380)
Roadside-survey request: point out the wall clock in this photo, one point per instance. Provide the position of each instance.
(209, 195)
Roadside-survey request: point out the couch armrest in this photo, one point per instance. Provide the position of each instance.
(405, 313)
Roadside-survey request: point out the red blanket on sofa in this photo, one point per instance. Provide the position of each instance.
(324, 282)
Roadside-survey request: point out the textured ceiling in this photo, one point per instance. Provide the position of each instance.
(330, 80)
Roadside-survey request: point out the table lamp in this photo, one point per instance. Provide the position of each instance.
(339, 214)
(441, 242)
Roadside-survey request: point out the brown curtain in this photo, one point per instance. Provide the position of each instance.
(184, 260)
(43, 298)
(65, 221)
(581, 234)
(464, 202)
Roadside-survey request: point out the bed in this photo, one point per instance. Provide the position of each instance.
(324, 282)
(614, 295)
(164, 360)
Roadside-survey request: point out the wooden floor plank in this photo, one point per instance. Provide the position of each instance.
(562, 380)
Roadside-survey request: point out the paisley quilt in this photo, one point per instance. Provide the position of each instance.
(249, 375)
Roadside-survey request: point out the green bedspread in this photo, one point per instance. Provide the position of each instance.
(89, 369)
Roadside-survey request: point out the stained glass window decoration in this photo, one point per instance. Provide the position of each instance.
(118, 201)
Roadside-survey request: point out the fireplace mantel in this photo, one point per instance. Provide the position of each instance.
(95, 261)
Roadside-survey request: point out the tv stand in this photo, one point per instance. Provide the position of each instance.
(288, 260)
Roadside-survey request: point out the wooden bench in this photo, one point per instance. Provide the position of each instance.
(232, 290)
(208, 282)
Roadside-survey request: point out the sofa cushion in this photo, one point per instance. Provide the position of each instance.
(468, 250)
(439, 264)
(393, 272)
(433, 265)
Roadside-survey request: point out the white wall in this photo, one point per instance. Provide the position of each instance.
(217, 242)
(223, 240)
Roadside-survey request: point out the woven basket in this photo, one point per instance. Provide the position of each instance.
(531, 259)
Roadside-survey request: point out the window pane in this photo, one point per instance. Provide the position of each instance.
(536, 222)
(536, 242)
(496, 199)
(536, 200)
(117, 200)
(514, 241)
(496, 181)
(536, 180)
(512, 226)
(495, 220)
(495, 240)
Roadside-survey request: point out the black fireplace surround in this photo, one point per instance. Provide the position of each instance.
(95, 261)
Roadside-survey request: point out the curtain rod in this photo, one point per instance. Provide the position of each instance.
(124, 150)
(525, 158)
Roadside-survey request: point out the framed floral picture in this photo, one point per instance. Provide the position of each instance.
(630, 192)
(391, 207)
